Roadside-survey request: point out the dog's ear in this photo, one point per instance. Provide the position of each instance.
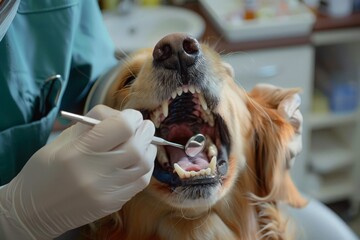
(271, 137)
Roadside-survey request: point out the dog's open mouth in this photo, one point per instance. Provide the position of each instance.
(183, 115)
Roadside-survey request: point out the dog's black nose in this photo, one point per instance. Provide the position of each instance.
(176, 51)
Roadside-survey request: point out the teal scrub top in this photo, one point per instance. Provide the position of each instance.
(50, 56)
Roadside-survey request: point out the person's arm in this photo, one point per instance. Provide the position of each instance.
(83, 175)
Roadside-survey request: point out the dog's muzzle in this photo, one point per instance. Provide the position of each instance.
(187, 109)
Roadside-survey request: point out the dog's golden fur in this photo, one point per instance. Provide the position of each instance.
(245, 206)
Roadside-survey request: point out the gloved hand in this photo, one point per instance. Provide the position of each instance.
(83, 175)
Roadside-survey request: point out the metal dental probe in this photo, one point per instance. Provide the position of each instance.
(193, 147)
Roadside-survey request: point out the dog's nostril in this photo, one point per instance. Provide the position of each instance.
(176, 52)
(191, 46)
(162, 52)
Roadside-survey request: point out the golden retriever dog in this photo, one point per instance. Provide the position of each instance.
(232, 189)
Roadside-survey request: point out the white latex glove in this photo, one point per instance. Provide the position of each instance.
(83, 175)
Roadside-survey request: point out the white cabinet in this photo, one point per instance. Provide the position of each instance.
(286, 67)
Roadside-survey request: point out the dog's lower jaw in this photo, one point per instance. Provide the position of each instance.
(163, 222)
(176, 224)
(195, 197)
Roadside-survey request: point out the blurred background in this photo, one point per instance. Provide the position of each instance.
(312, 44)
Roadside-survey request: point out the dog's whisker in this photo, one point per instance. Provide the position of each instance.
(121, 54)
(215, 44)
(125, 98)
(203, 221)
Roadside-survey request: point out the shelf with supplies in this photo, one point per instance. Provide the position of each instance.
(334, 122)
(331, 151)
(330, 187)
(323, 120)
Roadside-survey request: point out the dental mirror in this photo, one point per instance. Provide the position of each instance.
(193, 146)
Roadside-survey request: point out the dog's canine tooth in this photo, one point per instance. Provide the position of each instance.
(165, 108)
(212, 164)
(181, 172)
(155, 119)
(197, 90)
(210, 147)
(161, 155)
(173, 95)
(179, 91)
(202, 102)
(212, 151)
(204, 117)
(192, 89)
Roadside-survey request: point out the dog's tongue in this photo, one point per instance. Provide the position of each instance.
(187, 163)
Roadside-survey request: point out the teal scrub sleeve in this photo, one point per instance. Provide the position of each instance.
(93, 52)
(47, 38)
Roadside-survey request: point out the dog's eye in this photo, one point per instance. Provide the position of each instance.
(130, 80)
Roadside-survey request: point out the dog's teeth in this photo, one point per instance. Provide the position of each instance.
(165, 108)
(161, 155)
(203, 172)
(211, 147)
(212, 165)
(211, 120)
(197, 90)
(202, 102)
(212, 151)
(185, 89)
(192, 89)
(179, 91)
(155, 119)
(204, 117)
(173, 95)
(181, 172)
